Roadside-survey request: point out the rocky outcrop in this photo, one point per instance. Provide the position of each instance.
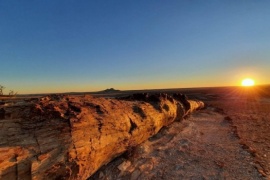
(70, 137)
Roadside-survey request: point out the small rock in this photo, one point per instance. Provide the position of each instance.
(124, 165)
(101, 175)
(220, 164)
(135, 175)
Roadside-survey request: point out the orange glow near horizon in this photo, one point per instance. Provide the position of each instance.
(248, 82)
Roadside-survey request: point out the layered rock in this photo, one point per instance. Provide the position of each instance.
(70, 137)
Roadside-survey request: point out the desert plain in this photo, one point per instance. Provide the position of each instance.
(228, 139)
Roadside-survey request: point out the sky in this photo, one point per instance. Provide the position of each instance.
(81, 45)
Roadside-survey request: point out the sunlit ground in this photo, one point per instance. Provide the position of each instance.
(248, 107)
(247, 90)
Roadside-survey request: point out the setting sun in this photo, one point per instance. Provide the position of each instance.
(248, 82)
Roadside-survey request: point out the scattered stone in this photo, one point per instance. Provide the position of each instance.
(124, 165)
(101, 175)
(135, 175)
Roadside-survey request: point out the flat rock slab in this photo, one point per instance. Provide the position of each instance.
(203, 146)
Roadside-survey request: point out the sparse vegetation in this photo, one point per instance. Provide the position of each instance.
(11, 92)
(1, 89)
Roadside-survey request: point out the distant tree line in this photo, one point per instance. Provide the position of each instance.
(11, 92)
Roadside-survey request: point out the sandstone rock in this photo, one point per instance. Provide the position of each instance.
(70, 137)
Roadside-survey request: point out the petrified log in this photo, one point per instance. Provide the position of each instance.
(69, 137)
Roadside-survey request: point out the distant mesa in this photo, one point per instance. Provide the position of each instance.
(110, 90)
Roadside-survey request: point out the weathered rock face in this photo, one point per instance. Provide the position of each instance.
(69, 137)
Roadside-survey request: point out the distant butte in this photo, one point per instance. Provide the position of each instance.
(110, 90)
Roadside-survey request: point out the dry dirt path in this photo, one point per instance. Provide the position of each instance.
(203, 146)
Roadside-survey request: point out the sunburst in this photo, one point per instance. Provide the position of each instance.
(248, 82)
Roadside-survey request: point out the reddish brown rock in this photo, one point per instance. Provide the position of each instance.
(69, 137)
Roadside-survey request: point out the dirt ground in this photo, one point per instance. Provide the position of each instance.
(230, 139)
(251, 121)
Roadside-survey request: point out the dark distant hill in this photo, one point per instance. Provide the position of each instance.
(110, 90)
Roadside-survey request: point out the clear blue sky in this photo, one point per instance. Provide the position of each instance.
(82, 45)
